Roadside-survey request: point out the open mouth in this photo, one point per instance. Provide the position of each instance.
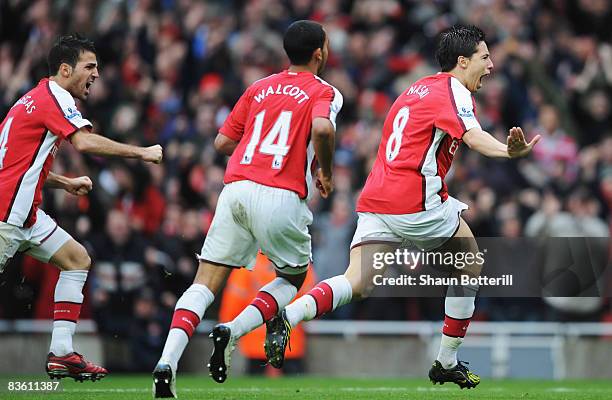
(88, 85)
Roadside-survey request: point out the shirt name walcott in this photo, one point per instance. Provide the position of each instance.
(286, 90)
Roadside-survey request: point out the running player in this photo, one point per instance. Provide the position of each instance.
(29, 138)
(273, 134)
(405, 197)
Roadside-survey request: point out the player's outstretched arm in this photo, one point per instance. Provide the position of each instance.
(225, 145)
(78, 186)
(517, 145)
(323, 140)
(87, 142)
(487, 145)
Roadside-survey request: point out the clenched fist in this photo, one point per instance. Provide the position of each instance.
(152, 154)
(78, 186)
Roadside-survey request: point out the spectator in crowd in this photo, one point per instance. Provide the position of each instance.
(578, 260)
(118, 274)
(147, 331)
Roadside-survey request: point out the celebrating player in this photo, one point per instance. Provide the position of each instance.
(29, 138)
(273, 134)
(405, 197)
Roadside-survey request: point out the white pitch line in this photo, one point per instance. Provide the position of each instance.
(345, 389)
(432, 389)
(255, 389)
(374, 389)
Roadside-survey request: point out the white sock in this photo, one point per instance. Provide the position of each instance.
(302, 309)
(61, 338)
(459, 307)
(69, 289)
(460, 310)
(196, 298)
(249, 317)
(305, 308)
(252, 317)
(448, 351)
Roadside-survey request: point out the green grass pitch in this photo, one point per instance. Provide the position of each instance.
(134, 387)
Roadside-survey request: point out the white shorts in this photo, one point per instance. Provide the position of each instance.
(426, 230)
(41, 241)
(250, 216)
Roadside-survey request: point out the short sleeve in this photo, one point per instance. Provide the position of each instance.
(458, 114)
(233, 127)
(328, 104)
(63, 118)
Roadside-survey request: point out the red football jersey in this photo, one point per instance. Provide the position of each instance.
(272, 122)
(420, 136)
(29, 137)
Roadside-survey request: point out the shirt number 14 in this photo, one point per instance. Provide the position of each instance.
(274, 143)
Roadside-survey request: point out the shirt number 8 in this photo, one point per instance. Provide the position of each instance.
(395, 140)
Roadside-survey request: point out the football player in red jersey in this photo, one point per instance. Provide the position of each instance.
(405, 198)
(29, 137)
(273, 134)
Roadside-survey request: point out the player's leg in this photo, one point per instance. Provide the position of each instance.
(280, 226)
(458, 309)
(188, 313)
(11, 238)
(279, 221)
(328, 294)
(371, 236)
(228, 245)
(459, 303)
(271, 298)
(190, 309)
(48, 242)
(74, 262)
(355, 284)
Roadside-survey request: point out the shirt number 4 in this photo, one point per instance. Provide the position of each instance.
(275, 142)
(3, 139)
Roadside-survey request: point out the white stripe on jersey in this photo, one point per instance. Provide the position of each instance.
(336, 105)
(334, 108)
(465, 106)
(433, 183)
(26, 190)
(68, 106)
(310, 153)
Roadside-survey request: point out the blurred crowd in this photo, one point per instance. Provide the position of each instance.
(172, 69)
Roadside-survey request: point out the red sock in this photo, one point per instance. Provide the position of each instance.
(266, 304)
(323, 296)
(455, 327)
(66, 311)
(186, 320)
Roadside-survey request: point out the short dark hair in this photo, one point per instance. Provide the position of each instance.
(67, 49)
(302, 39)
(458, 40)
